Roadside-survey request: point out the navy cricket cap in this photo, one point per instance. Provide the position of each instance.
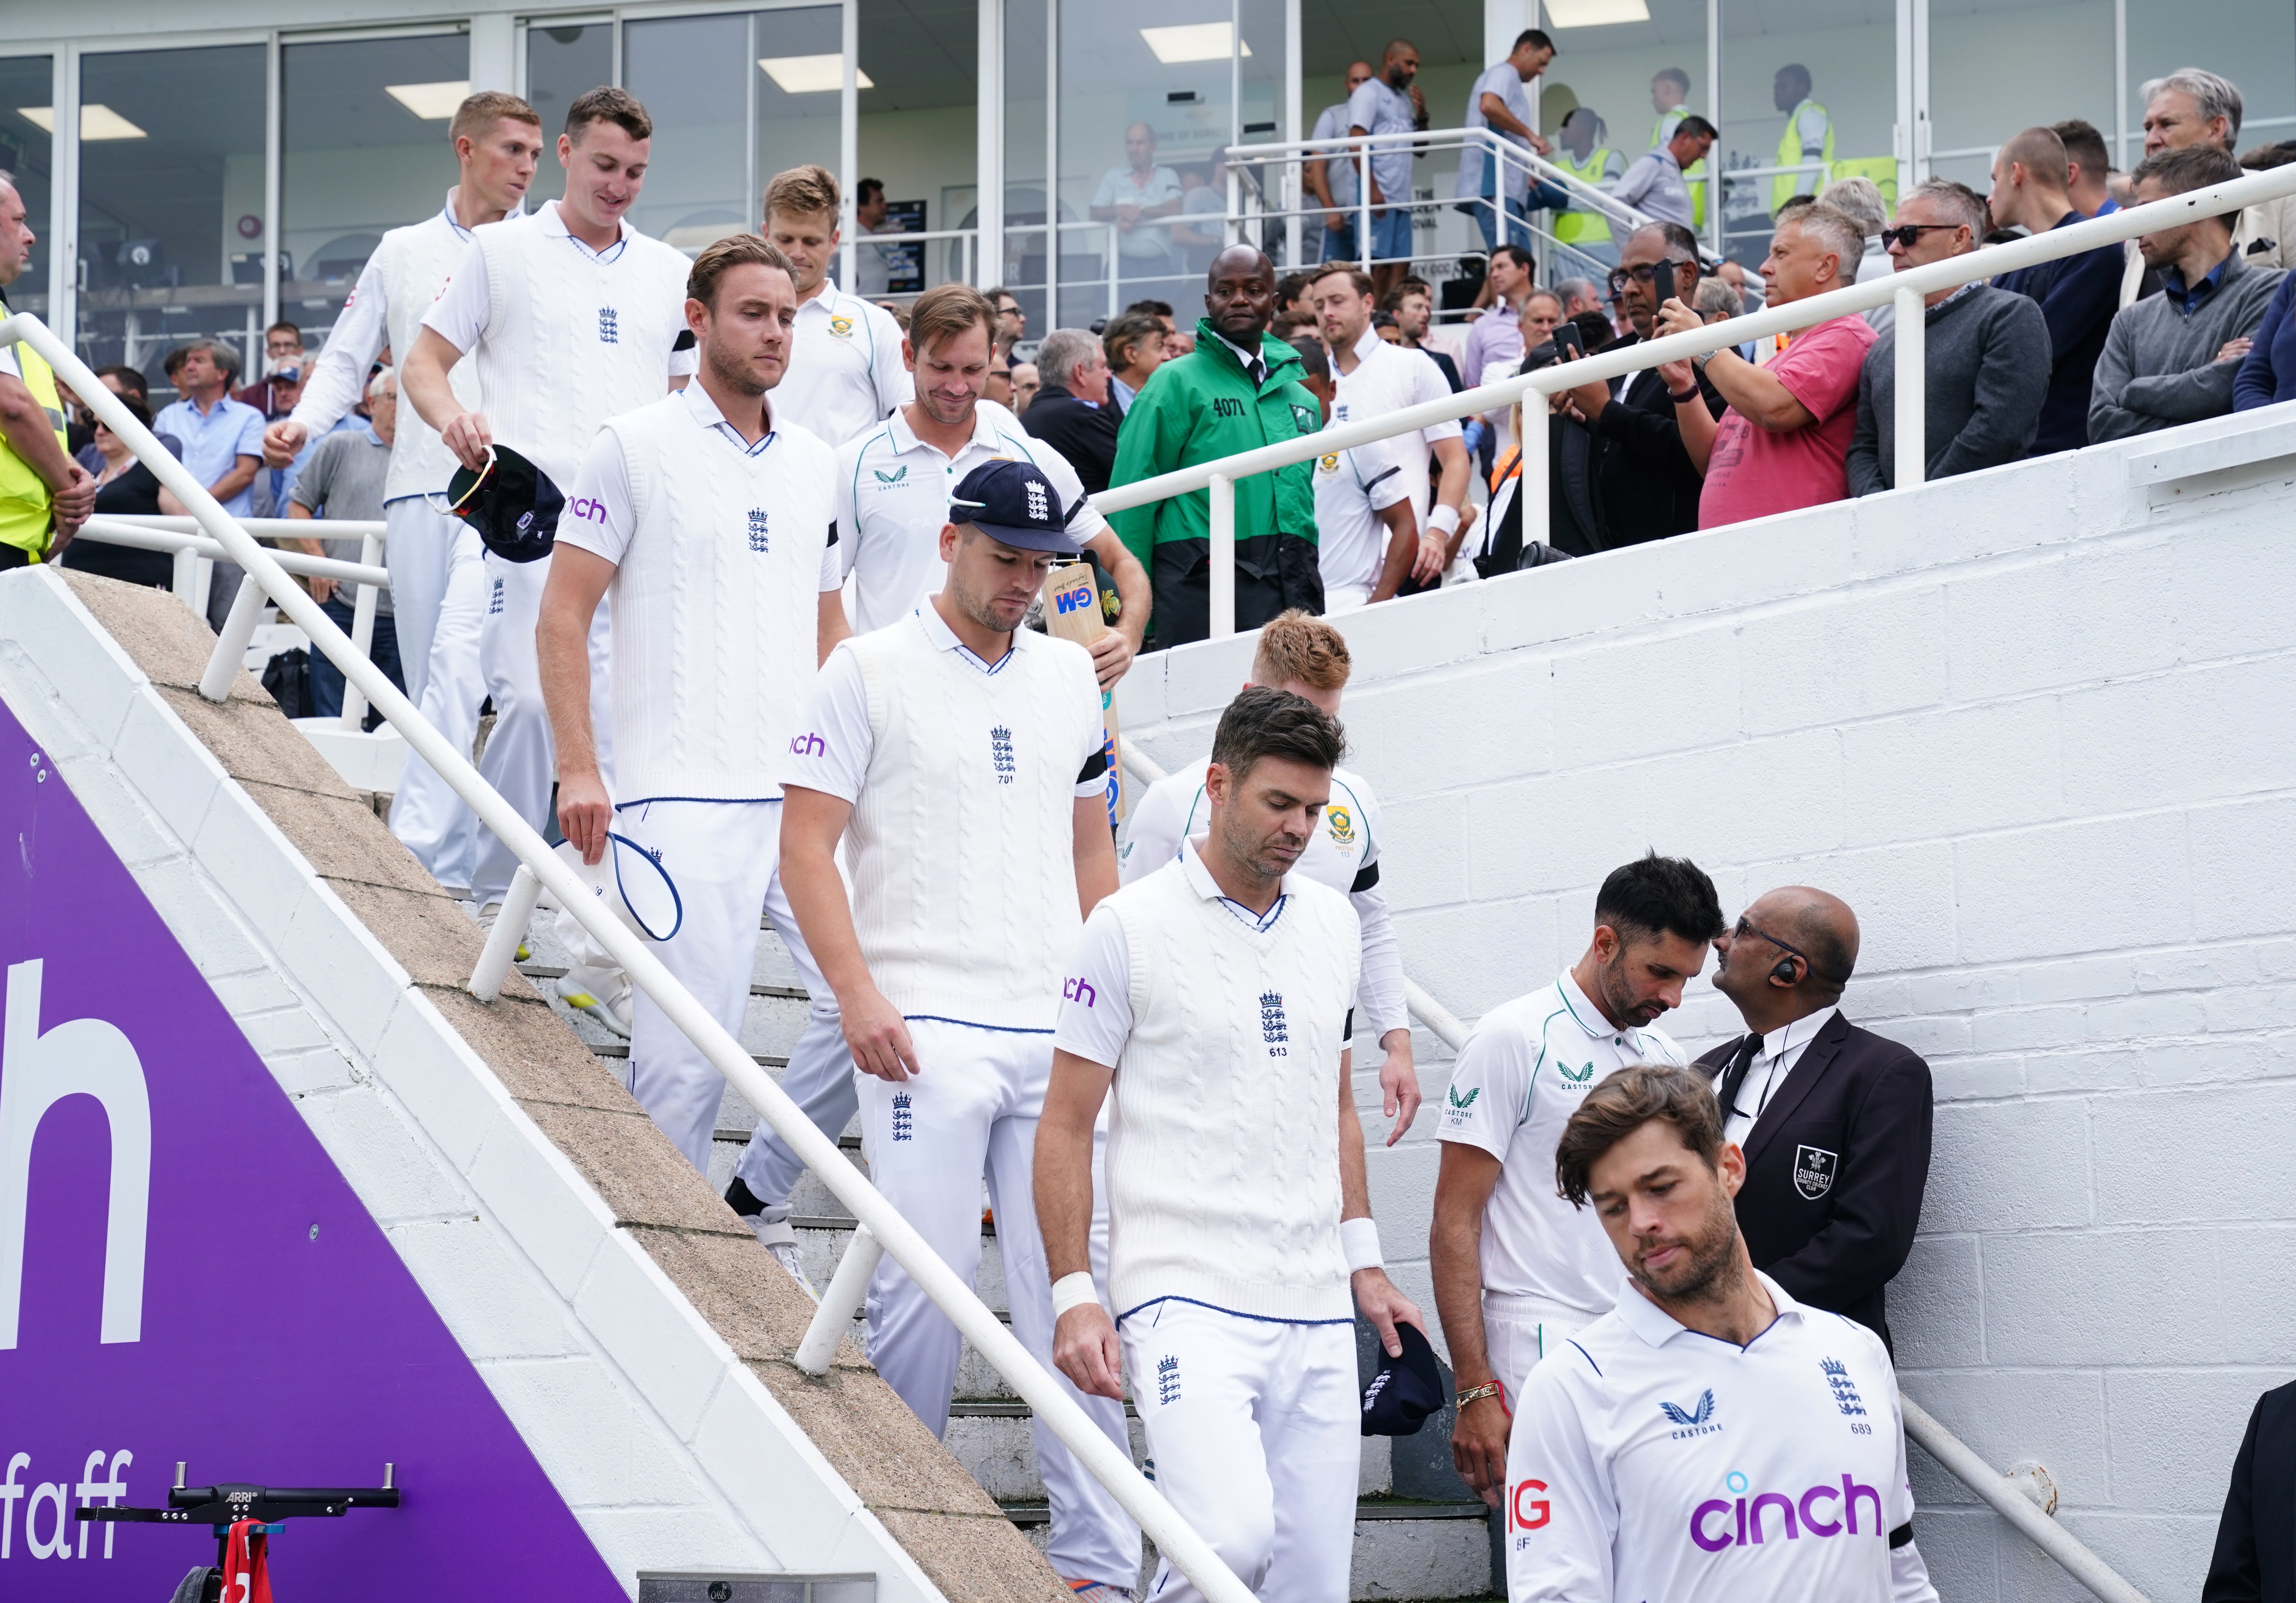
(513, 504)
(1405, 1390)
(1013, 501)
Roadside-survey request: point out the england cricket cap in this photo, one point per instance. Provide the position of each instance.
(1013, 502)
(513, 504)
(1405, 1390)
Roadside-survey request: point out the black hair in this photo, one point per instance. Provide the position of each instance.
(864, 189)
(1261, 723)
(1292, 286)
(1654, 895)
(1521, 254)
(1534, 36)
(1315, 361)
(1696, 126)
(1152, 309)
(1681, 243)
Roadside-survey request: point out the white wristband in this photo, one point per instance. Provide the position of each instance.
(1359, 1243)
(1444, 520)
(1073, 1291)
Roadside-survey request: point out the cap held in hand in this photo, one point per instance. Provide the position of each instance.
(1405, 1390)
(513, 504)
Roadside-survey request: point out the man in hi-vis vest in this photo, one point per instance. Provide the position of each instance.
(42, 489)
(709, 515)
(961, 759)
(1807, 142)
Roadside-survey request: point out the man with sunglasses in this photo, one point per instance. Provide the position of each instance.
(1985, 355)
(1834, 1121)
(1646, 487)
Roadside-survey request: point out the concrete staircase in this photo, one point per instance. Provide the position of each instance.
(1419, 1534)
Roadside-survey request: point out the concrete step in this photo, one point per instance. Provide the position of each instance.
(1404, 1551)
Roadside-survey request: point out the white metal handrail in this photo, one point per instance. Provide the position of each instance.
(1110, 1464)
(1905, 291)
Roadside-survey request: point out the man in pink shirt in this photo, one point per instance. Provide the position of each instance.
(1782, 443)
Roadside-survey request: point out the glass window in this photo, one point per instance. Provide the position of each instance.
(170, 204)
(364, 148)
(1022, 269)
(798, 70)
(27, 86)
(693, 73)
(1137, 104)
(2250, 42)
(562, 60)
(1614, 92)
(1809, 95)
(919, 135)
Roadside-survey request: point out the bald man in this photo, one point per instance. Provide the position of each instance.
(1834, 1121)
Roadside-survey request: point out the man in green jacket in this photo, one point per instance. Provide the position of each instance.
(1237, 390)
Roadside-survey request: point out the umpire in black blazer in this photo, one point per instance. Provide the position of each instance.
(2255, 1559)
(1834, 1121)
(1073, 412)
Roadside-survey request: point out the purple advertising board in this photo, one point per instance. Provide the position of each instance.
(185, 1274)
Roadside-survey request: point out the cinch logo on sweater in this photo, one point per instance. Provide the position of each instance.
(1748, 1531)
(806, 746)
(1000, 753)
(608, 326)
(588, 508)
(758, 540)
(1079, 990)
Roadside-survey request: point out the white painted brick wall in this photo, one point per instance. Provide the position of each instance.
(2035, 725)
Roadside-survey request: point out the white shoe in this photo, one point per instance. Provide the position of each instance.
(780, 1239)
(613, 1012)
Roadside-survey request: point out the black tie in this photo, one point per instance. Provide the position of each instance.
(1734, 1075)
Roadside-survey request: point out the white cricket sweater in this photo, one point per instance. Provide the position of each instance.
(715, 605)
(962, 844)
(412, 266)
(1222, 1137)
(572, 340)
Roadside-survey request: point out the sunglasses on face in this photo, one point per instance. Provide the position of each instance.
(1905, 235)
(1644, 273)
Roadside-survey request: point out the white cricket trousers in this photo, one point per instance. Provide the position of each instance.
(1255, 1427)
(1522, 1333)
(819, 1079)
(439, 655)
(520, 760)
(974, 1107)
(723, 857)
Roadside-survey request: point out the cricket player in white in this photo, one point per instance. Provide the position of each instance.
(1213, 996)
(961, 758)
(438, 583)
(570, 317)
(1516, 1269)
(1366, 531)
(1308, 658)
(893, 486)
(1710, 1439)
(707, 516)
(845, 370)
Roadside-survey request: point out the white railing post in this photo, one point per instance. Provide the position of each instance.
(510, 929)
(1532, 493)
(230, 646)
(186, 579)
(1910, 329)
(839, 1303)
(1363, 202)
(362, 633)
(1223, 556)
(202, 581)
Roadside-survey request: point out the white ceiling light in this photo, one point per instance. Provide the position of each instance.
(811, 74)
(432, 103)
(1596, 13)
(96, 121)
(1190, 42)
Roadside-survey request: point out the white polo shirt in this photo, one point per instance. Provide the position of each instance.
(1519, 1078)
(1780, 1049)
(1352, 489)
(1343, 853)
(1121, 186)
(1387, 378)
(1651, 1461)
(1504, 81)
(845, 368)
(893, 491)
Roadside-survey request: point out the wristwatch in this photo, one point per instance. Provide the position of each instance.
(1490, 1388)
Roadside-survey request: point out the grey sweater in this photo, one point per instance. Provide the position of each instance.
(2158, 367)
(1987, 374)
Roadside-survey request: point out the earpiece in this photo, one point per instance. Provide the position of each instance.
(1783, 973)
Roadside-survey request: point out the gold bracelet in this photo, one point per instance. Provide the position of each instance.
(1490, 1388)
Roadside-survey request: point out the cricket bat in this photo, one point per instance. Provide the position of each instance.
(1072, 612)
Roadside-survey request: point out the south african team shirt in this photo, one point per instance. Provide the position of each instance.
(1516, 1083)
